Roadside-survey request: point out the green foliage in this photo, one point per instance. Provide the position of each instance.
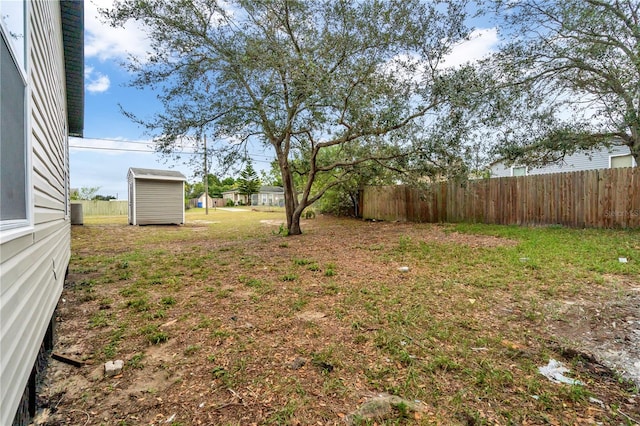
(154, 335)
(99, 319)
(330, 270)
(574, 72)
(191, 349)
(103, 197)
(289, 277)
(136, 361)
(282, 230)
(85, 193)
(216, 187)
(248, 183)
(273, 177)
(139, 304)
(168, 301)
(304, 77)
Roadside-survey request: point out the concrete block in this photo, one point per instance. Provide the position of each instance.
(113, 368)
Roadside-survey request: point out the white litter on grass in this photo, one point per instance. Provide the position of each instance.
(403, 269)
(554, 371)
(622, 260)
(171, 418)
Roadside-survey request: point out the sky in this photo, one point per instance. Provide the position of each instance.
(112, 143)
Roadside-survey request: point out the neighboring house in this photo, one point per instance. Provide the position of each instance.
(603, 158)
(156, 197)
(266, 196)
(41, 104)
(235, 196)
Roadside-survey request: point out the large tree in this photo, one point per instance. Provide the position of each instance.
(301, 76)
(248, 182)
(570, 74)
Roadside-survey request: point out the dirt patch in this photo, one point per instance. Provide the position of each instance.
(311, 316)
(273, 222)
(607, 329)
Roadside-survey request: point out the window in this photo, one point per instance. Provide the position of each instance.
(619, 161)
(14, 211)
(519, 171)
(12, 14)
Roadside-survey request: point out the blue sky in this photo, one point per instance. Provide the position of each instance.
(113, 142)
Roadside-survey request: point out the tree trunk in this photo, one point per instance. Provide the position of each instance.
(290, 197)
(635, 150)
(294, 227)
(355, 202)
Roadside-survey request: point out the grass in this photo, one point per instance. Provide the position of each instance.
(225, 303)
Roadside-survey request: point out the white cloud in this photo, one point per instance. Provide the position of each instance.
(95, 81)
(98, 85)
(105, 42)
(481, 43)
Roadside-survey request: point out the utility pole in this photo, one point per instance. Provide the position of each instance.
(206, 178)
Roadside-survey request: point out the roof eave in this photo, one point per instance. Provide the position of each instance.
(72, 13)
(155, 177)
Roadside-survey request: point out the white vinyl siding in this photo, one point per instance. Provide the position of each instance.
(592, 160)
(33, 265)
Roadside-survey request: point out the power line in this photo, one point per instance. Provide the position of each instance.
(111, 149)
(98, 148)
(265, 158)
(135, 142)
(116, 140)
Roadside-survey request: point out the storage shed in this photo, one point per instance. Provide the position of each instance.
(156, 197)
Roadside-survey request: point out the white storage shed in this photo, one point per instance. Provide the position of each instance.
(156, 197)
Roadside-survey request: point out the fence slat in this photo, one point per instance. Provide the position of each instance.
(103, 208)
(596, 198)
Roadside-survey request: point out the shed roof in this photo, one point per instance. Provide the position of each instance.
(155, 174)
(72, 13)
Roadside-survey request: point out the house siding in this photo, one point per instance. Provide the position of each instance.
(266, 196)
(33, 265)
(579, 161)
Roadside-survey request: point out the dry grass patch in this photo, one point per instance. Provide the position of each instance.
(231, 323)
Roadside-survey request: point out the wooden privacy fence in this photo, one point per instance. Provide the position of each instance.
(103, 208)
(607, 198)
